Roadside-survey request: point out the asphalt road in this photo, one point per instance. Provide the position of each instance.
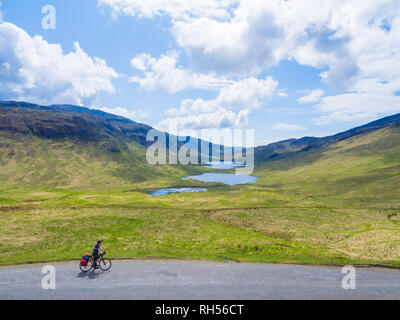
(197, 280)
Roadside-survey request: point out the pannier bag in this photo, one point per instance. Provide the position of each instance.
(85, 259)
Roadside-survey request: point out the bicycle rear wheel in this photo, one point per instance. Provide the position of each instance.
(105, 264)
(87, 267)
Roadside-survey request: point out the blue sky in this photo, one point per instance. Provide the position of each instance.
(284, 68)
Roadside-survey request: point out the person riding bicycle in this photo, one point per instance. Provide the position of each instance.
(97, 250)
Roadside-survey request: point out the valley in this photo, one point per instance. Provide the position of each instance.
(330, 202)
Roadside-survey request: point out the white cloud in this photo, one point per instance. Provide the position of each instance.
(219, 118)
(262, 33)
(34, 70)
(247, 92)
(282, 92)
(134, 115)
(352, 42)
(313, 96)
(287, 127)
(357, 106)
(231, 108)
(346, 39)
(236, 99)
(163, 73)
(174, 8)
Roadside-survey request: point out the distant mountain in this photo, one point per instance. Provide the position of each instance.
(358, 167)
(293, 147)
(109, 131)
(75, 147)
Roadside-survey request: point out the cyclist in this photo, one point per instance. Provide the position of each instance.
(97, 250)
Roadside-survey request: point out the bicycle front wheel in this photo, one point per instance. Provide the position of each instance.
(105, 264)
(87, 267)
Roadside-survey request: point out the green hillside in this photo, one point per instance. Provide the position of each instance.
(364, 169)
(71, 165)
(73, 147)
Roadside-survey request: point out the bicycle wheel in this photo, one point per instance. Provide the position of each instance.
(105, 264)
(88, 266)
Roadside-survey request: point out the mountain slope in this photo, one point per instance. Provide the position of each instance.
(73, 147)
(292, 147)
(65, 121)
(348, 169)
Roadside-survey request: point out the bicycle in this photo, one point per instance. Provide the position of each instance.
(104, 263)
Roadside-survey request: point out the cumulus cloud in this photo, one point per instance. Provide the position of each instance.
(373, 93)
(235, 101)
(231, 108)
(345, 39)
(282, 92)
(260, 34)
(134, 115)
(34, 70)
(287, 126)
(349, 41)
(248, 92)
(219, 118)
(165, 74)
(357, 106)
(313, 96)
(174, 8)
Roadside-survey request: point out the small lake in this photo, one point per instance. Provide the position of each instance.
(226, 178)
(162, 192)
(223, 165)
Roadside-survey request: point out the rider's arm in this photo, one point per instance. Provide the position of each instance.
(101, 250)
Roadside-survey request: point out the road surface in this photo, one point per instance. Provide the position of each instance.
(197, 280)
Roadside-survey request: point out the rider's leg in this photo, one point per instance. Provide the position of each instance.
(96, 260)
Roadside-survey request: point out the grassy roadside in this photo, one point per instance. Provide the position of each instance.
(41, 231)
